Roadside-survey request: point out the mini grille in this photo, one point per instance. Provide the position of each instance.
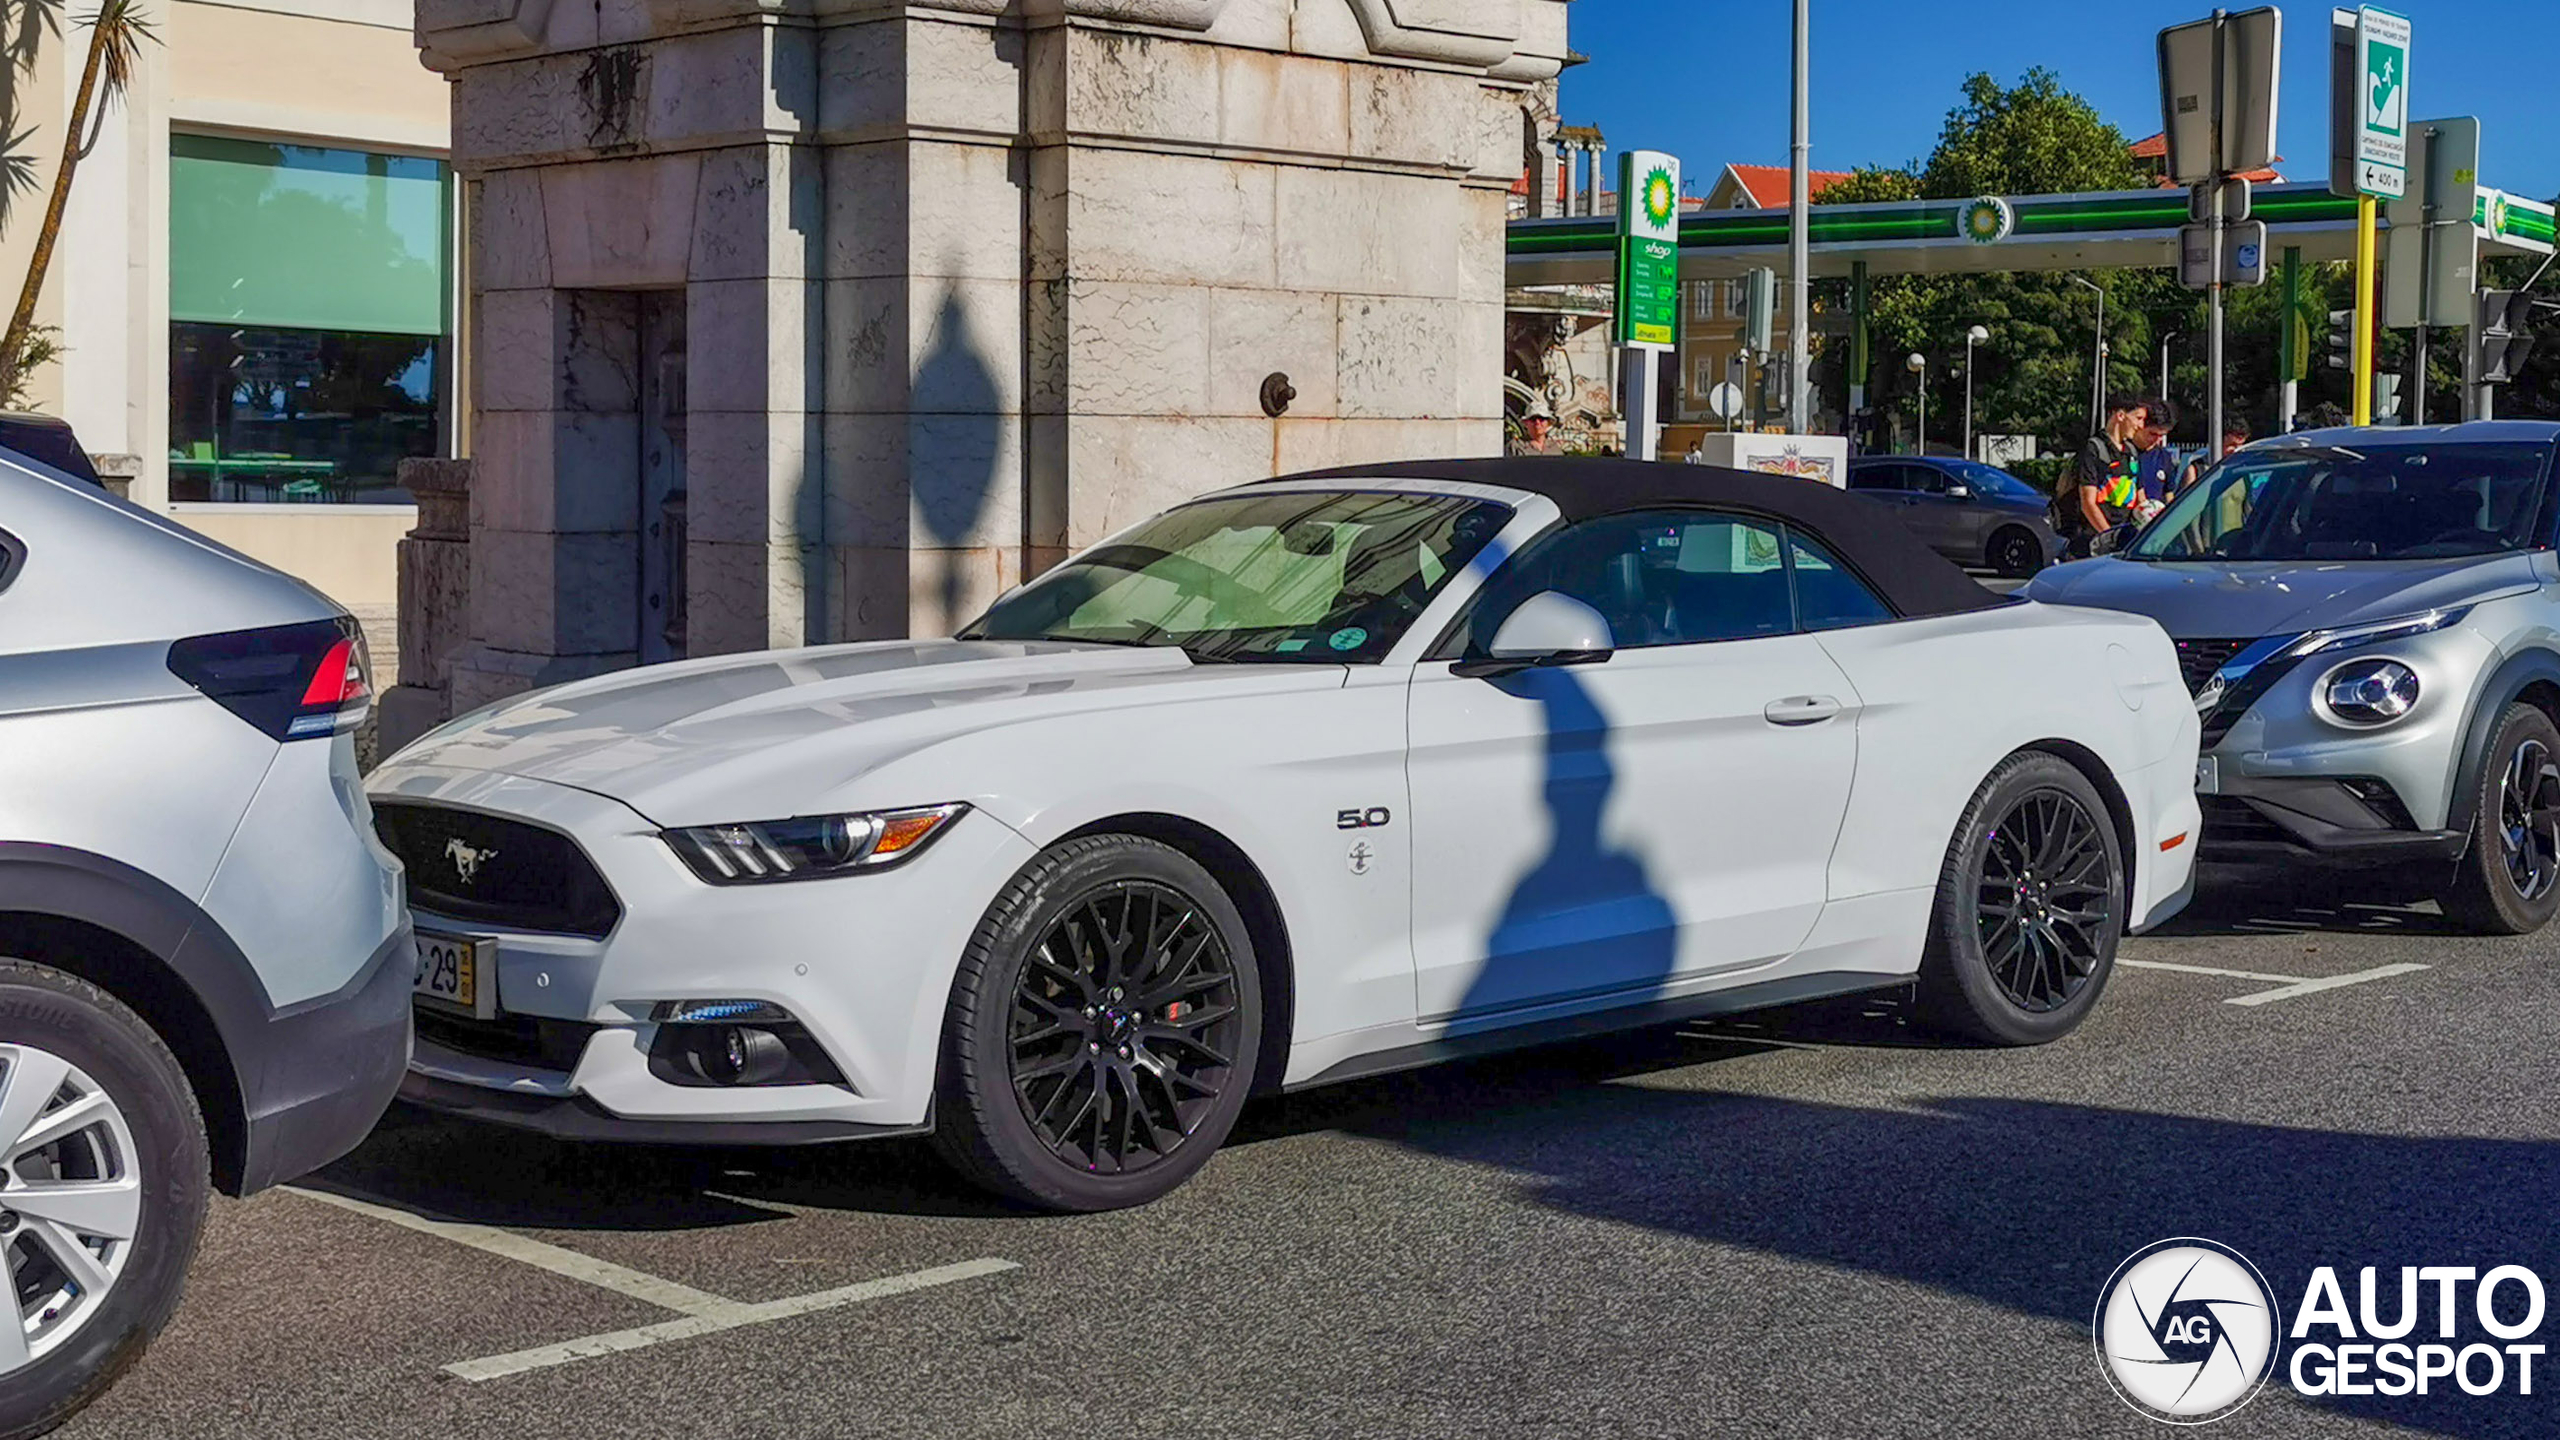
(2198, 660)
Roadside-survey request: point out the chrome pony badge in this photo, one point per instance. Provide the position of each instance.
(467, 861)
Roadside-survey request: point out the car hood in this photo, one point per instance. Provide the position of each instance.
(2246, 600)
(733, 738)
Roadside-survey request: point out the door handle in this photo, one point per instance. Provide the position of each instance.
(1801, 710)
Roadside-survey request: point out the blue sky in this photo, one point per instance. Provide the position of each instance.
(1707, 79)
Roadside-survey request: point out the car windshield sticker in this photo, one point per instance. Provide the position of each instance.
(1349, 637)
(1287, 646)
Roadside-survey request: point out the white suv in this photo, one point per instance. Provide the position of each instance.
(205, 956)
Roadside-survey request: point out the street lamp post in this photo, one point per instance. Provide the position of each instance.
(2098, 356)
(1918, 364)
(2164, 361)
(1972, 337)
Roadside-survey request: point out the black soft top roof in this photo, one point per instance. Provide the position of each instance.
(1910, 576)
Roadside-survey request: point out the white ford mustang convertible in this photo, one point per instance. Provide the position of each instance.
(1309, 779)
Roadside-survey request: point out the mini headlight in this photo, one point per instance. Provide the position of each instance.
(807, 847)
(2370, 692)
(2400, 629)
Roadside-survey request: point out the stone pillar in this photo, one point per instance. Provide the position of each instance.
(967, 283)
(435, 588)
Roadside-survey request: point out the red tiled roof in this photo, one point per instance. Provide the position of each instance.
(1770, 185)
(2156, 147)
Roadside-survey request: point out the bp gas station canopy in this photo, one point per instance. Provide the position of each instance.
(2109, 230)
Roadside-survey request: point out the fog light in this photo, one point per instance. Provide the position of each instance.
(2370, 692)
(732, 1054)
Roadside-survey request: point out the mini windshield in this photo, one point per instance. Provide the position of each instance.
(1291, 576)
(2369, 502)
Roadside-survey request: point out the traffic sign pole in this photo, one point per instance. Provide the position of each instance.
(2361, 401)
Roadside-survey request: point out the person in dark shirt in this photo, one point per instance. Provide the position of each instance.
(2100, 491)
(2156, 478)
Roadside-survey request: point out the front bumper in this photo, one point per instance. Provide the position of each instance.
(863, 963)
(2274, 818)
(334, 1064)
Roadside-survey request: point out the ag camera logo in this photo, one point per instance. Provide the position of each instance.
(2186, 1330)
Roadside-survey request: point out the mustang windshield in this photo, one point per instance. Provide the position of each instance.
(1325, 577)
(2371, 502)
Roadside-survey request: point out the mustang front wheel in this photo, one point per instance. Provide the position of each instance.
(1104, 1028)
(2029, 907)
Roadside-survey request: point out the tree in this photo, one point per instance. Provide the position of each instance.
(2033, 377)
(116, 35)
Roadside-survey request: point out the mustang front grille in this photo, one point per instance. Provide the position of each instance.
(475, 866)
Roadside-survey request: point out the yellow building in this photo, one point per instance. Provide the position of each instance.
(1712, 311)
(254, 286)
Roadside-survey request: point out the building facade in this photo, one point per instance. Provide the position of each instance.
(254, 287)
(1712, 312)
(807, 322)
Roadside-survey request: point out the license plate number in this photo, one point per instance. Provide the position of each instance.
(451, 974)
(2208, 774)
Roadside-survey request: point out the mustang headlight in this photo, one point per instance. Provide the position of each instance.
(807, 847)
(2370, 692)
(2402, 628)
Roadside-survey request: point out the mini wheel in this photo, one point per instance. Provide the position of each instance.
(2508, 880)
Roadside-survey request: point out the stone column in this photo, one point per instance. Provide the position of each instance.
(435, 588)
(967, 283)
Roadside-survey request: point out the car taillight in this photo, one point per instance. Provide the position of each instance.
(293, 682)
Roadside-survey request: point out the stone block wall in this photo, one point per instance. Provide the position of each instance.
(966, 284)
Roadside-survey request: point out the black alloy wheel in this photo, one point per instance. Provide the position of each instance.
(2030, 907)
(1105, 1027)
(2016, 553)
(2508, 879)
(2529, 820)
(1124, 1027)
(2045, 910)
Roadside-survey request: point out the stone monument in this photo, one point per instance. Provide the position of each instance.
(808, 320)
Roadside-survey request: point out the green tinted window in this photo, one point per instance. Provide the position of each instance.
(303, 237)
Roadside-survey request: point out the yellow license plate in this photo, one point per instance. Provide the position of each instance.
(450, 973)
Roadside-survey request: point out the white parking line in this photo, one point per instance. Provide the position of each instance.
(2288, 987)
(729, 1316)
(2330, 982)
(703, 1312)
(603, 1274)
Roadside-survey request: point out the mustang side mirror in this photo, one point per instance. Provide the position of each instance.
(1549, 628)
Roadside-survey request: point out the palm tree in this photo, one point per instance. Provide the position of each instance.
(116, 33)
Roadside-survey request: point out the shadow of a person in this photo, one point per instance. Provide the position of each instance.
(1586, 918)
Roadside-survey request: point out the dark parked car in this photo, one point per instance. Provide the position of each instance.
(1977, 515)
(47, 440)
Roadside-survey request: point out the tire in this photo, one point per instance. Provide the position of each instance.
(2015, 553)
(2508, 879)
(2026, 968)
(146, 1127)
(1069, 1080)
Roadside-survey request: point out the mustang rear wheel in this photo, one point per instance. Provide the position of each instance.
(2508, 881)
(1103, 1030)
(2029, 908)
(103, 1186)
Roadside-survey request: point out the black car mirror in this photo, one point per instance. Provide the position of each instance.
(2111, 539)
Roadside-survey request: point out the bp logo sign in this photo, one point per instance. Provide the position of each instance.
(1989, 220)
(2186, 1330)
(1661, 197)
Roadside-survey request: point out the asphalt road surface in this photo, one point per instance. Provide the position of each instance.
(1811, 1222)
